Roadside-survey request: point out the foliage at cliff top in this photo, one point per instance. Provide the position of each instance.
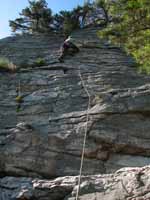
(130, 28)
(37, 17)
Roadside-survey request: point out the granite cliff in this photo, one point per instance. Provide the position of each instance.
(41, 144)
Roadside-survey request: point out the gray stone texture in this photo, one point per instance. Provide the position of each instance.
(125, 184)
(44, 139)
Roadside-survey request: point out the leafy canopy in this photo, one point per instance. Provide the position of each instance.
(35, 18)
(130, 28)
(67, 21)
(104, 4)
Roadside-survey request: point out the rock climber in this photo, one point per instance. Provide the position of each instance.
(68, 48)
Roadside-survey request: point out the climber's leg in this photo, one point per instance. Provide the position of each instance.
(70, 49)
(62, 55)
(74, 47)
(73, 51)
(64, 52)
(61, 58)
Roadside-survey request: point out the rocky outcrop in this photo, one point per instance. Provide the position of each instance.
(24, 50)
(125, 184)
(43, 139)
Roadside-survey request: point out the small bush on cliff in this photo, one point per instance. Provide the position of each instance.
(131, 29)
(40, 62)
(6, 65)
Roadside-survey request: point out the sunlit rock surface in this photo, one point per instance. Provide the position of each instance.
(43, 139)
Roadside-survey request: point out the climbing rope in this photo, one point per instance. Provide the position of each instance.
(19, 88)
(85, 135)
(19, 97)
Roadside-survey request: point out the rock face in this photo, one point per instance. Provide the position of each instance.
(43, 139)
(125, 184)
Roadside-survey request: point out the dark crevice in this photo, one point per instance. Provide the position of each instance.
(104, 114)
(121, 148)
(139, 179)
(27, 171)
(64, 69)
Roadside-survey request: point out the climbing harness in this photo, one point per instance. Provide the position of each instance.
(85, 135)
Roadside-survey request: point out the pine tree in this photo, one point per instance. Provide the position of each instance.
(58, 20)
(131, 29)
(70, 21)
(104, 4)
(35, 18)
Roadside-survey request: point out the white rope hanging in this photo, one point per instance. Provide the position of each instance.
(85, 135)
(19, 89)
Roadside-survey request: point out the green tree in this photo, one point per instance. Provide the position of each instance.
(58, 20)
(35, 18)
(70, 21)
(131, 29)
(105, 5)
(67, 21)
(85, 10)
